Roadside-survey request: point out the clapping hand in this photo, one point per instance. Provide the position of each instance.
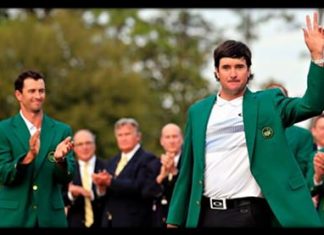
(319, 166)
(34, 146)
(63, 148)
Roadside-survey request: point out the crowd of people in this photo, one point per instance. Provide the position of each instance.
(240, 162)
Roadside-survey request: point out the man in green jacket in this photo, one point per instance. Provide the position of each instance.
(316, 164)
(237, 169)
(35, 160)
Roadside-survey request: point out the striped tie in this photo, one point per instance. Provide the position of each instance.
(87, 206)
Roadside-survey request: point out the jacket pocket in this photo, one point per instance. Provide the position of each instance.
(296, 182)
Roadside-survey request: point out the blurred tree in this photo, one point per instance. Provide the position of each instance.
(3, 14)
(250, 20)
(104, 64)
(89, 82)
(173, 58)
(170, 51)
(99, 84)
(99, 70)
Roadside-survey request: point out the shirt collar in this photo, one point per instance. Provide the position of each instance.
(320, 147)
(31, 128)
(176, 158)
(235, 102)
(90, 162)
(130, 154)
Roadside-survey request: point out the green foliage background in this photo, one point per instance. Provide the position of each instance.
(98, 72)
(104, 64)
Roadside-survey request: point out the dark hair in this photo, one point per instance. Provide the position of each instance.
(19, 83)
(233, 49)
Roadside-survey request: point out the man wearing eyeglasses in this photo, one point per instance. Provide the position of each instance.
(83, 204)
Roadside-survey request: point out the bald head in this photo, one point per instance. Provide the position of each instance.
(84, 144)
(171, 138)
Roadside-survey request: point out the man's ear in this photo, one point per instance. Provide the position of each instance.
(216, 75)
(18, 95)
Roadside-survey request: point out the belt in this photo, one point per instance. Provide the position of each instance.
(224, 204)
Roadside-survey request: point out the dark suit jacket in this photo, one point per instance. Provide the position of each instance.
(266, 114)
(76, 213)
(127, 203)
(30, 193)
(161, 192)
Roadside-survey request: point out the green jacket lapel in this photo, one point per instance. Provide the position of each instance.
(250, 117)
(21, 131)
(46, 138)
(204, 111)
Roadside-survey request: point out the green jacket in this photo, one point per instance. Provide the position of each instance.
(30, 193)
(266, 114)
(301, 144)
(316, 190)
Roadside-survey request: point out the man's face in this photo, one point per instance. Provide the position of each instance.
(318, 132)
(32, 96)
(127, 137)
(171, 139)
(84, 145)
(233, 75)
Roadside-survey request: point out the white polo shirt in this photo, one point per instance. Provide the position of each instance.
(227, 166)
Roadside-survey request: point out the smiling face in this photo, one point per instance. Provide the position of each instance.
(32, 95)
(233, 75)
(84, 145)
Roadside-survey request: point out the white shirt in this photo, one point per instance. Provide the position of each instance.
(91, 169)
(31, 128)
(91, 166)
(176, 159)
(227, 166)
(131, 153)
(319, 147)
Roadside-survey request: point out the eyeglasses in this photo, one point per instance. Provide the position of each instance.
(80, 144)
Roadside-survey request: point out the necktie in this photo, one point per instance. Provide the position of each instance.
(121, 164)
(87, 206)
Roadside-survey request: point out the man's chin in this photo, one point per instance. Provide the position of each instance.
(37, 111)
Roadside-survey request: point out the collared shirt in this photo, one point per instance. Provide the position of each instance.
(91, 169)
(176, 162)
(227, 166)
(91, 166)
(30, 126)
(319, 147)
(176, 159)
(131, 153)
